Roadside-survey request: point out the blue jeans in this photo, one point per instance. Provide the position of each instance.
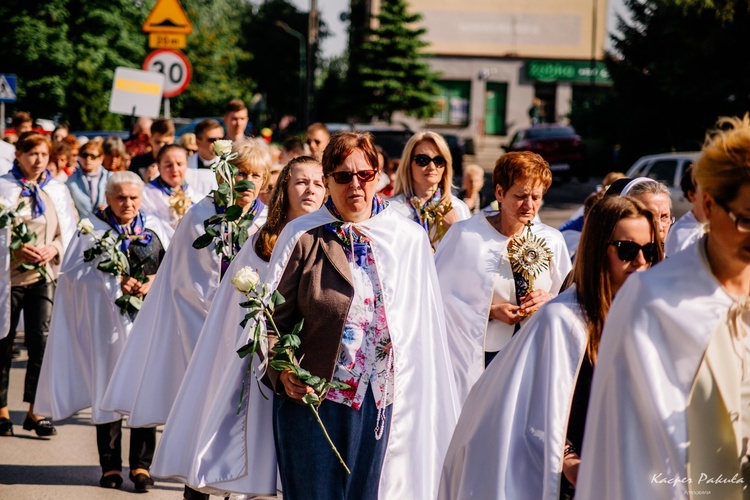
(309, 467)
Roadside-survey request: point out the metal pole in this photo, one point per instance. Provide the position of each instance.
(2, 120)
(312, 40)
(302, 66)
(166, 108)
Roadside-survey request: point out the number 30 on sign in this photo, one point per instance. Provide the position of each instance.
(174, 66)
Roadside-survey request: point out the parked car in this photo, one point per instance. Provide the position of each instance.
(563, 149)
(667, 168)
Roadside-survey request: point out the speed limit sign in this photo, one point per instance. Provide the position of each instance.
(174, 66)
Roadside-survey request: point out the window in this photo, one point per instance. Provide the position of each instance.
(663, 171)
(453, 102)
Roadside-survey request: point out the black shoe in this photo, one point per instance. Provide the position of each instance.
(42, 427)
(142, 482)
(111, 481)
(6, 427)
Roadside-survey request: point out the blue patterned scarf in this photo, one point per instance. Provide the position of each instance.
(135, 231)
(165, 188)
(32, 189)
(356, 243)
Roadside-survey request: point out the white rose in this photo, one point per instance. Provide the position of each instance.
(85, 226)
(246, 279)
(223, 147)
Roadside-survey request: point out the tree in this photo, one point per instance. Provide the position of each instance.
(675, 70)
(104, 34)
(392, 67)
(34, 44)
(218, 61)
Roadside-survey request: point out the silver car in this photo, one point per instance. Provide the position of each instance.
(668, 169)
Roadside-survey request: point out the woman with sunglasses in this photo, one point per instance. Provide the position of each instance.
(486, 299)
(88, 183)
(363, 279)
(528, 410)
(668, 412)
(149, 371)
(423, 186)
(201, 448)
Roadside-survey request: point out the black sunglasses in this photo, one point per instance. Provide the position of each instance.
(346, 177)
(627, 251)
(213, 139)
(424, 160)
(93, 156)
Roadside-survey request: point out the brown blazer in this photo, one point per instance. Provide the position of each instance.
(317, 286)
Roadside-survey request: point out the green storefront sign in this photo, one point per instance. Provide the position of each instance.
(567, 71)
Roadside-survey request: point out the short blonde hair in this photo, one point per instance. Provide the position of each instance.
(724, 164)
(253, 155)
(473, 169)
(404, 182)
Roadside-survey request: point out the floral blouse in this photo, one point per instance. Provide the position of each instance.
(365, 357)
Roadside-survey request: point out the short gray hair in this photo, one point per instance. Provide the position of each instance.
(125, 177)
(649, 186)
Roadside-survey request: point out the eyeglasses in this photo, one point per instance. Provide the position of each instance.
(346, 177)
(666, 220)
(93, 156)
(424, 160)
(742, 224)
(627, 251)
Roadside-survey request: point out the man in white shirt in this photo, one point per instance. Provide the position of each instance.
(207, 133)
(236, 119)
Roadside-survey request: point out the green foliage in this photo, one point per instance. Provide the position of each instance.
(392, 67)
(216, 57)
(675, 71)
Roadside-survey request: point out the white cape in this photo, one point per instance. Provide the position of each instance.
(686, 231)
(204, 441)
(150, 371)
(156, 203)
(474, 269)
(509, 441)
(425, 407)
(401, 205)
(653, 343)
(202, 180)
(87, 333)
(10, 189)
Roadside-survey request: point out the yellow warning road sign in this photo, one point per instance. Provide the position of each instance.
(166, 41)
(168, 17)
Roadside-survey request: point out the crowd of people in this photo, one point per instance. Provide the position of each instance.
(405, 339)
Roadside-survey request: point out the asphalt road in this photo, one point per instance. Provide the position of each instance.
(66, 466)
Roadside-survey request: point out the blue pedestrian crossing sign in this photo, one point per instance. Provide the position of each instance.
(8, 88)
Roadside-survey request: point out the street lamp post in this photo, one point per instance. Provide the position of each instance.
(302, 68)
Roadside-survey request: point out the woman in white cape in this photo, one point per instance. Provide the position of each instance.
(485, 301)
(363, 278)
(150, 370)
(423, 186)
(48, 213)
(668, 416)
(88, 330)
(168, 197)
(525, 416)
(207, 444)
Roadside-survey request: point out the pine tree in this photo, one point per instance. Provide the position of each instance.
(392, 67)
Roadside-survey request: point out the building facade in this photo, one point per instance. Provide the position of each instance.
(497, 58)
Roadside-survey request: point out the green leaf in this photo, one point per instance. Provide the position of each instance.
(212, 231)
(301, 373)
(277, 299)
(246, 349)
(296, 330)
(311, 399)
(233, 213)
(243, 186)
(313, 380)
(203, 241)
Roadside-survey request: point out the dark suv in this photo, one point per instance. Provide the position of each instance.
(558, 144)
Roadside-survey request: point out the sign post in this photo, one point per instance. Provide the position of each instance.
(8, 91)
(176, 69)
(167, 25)
(136, 92)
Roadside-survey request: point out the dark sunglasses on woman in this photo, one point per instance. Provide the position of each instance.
(424, 160)
(364, 176)
(627, 251)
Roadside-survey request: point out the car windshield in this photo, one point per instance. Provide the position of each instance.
(549, 132)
